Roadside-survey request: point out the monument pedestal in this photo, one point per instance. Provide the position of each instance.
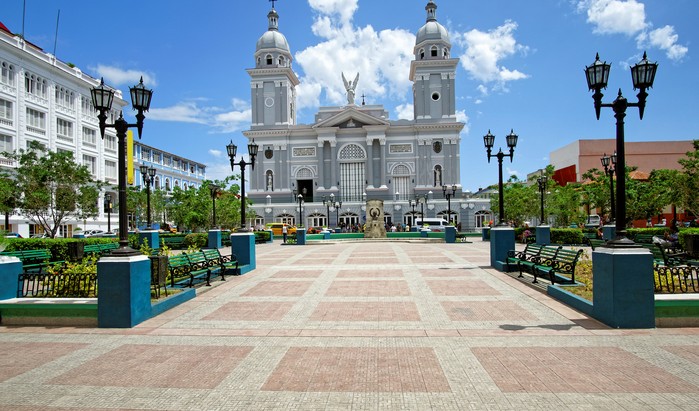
(502, 240)
(543, 235)
(124, 291)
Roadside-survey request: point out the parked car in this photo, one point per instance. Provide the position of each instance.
(39, 236)
(12, 235)
(314, 230)
(94, 233)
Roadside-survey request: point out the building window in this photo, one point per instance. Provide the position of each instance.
(36, 121)
(64, 129)
(87, 108)
(269, 60)
(65, 98)
(157, 158)
(281, 61)
(352, 172)
(483, 218)
(446, 53)
(434, 51)
(110, 143)
(422, 54)
(435, 96)
(6, 113)
(89, 137)
(167, 184)
(6, 144)
(35, 85)
(401, 182)
(110, 169)
(7, 75)
(168, 161)
(91, 164)
(156, 183)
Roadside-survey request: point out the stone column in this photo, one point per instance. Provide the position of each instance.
(502, 240)
(124, 295)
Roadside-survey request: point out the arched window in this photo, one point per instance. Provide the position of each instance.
(281, 61)
(433, 51)
(269, 60)
(352, 159)
(445, 53)
(401, 182)
(7, 75)
(483, 218)
(177, 183)
(156, 183)
(167, 184)
(422, 54)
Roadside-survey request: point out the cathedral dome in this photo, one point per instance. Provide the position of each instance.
(272, 38)
(432, 31)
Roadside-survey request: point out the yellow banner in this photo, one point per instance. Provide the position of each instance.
(129, 158)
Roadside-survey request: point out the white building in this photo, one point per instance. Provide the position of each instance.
(46, 100)
(355, 152)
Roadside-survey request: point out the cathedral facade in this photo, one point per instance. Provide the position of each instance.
(353, 153)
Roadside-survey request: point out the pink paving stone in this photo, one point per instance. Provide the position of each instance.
(447, 272)
(485, 311)
(251, 311)
(455, 288)
(279, 289)
(378, 288)
(366, 311)
(298, 274)
(157, 366)
(576, 370)
(431, 260)
(20, 357)
(688, 352)
(369, 273)
(372, 260)
(358, 369)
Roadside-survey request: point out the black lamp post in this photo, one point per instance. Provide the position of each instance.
(413, 204)
(252, 151)
(422, 199)
(331, 203)
(148, 174)
(448, 196)
(300, 199)
(642, 75)
(214, 192)
(327, 203)
(108, 199)
(489, 140)
(542, 182)
(338, 206)
(609, 170)
(102, 98)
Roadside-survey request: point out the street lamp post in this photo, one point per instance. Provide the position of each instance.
(214, 192)
(448, 196)
(609, 171)
(489, 140)
(300, 199)
(542, 182)
(148, 174)
(338, 206)
(252, 151)
(643, 76)
(412, 204)
(102, 98)
(327, 202)
(108, 199)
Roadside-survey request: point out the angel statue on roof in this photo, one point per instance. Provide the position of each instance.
(350, 87)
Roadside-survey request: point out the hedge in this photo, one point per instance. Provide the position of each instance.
(57, 246)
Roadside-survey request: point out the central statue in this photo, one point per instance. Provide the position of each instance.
(375, 227)
(350, 87)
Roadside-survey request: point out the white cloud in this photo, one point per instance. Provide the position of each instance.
(381, 58)
(236, 118)
(218, 171)
(510, 172)
(115, 76)
(629, 18)
(615, 16)
(405, 111)
(462, 117)
(215, 153)
(665, 39)
(484, 52)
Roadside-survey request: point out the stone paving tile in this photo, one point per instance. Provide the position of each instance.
(373, 288)
(369, 273)
(366, 311)
(447, 272)
(372, 260)
(251, 311)
(140, 365)
(279, 289)
(348, 369)
(460, 288)
(19, 357)
(688, 352)
(490, 311)
(576, 369)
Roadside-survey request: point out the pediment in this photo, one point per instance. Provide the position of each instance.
(351, 118)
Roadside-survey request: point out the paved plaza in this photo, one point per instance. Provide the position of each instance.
(356, 326)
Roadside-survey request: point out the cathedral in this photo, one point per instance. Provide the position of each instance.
(321, 174)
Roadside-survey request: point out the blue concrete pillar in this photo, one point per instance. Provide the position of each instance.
(271, 236)
(214, 239)
(152, 236)
(608, 232)
(502, 240)
(486, 234)
(543, 235)
(301, 237)
(243, 246)
(124, 291)
(450, 234)
(10, 269)
(423, 233)
(326, 235)
(624, 296)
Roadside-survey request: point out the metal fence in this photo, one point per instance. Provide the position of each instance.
(675, 279)
(58, 285)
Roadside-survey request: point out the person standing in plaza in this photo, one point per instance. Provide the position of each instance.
(285, 231)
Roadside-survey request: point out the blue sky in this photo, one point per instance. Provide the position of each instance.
(521, 65)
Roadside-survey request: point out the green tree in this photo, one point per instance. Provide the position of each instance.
(520, 201)
(54, 188)
(688, 184)
(563, 203)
